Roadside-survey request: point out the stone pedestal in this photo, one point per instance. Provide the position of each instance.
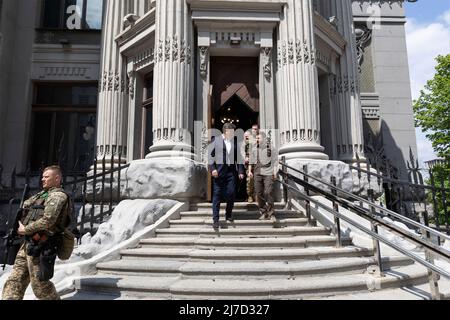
(165, 178)
(346, 178)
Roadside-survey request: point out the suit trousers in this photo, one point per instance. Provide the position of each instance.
(224, 188)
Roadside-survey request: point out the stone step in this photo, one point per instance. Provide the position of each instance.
(243, 243)
(141, 266)
(199, 222)
(255, 270)
(148, 287)
(240, 289)
(294, 288)
(245, 254)
(244, 215)
(244, 232)
(237, 206)
(94, 296)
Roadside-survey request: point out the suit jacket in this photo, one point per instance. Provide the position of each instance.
(217, 156)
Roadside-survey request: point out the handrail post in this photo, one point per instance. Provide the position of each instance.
(337, 221)
(83, 210)
(374, 227)
(102, 199)
(286, 181)
(111, 186)
(433, 277)
(308, 203)
(94, 192)
(444, 203)
(119, 177)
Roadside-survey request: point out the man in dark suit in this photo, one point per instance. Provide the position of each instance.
(225, 164)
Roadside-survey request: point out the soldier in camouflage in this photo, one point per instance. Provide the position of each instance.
(250, 143)
(42, 216)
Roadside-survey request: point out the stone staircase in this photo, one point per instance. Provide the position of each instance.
(247, 259)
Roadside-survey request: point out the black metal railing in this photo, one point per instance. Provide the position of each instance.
(294, 179)
(411, 198)
(95, 194)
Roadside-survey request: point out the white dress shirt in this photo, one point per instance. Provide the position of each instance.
(228, 146)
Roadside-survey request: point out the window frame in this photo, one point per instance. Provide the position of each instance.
(146, 108)
(62, 16)
(54, 109)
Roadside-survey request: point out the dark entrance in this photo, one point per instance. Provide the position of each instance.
(237, 112)
(235, 97)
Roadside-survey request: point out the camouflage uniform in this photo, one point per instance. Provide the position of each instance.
(26, 269)
(265, 169)
(249, 144)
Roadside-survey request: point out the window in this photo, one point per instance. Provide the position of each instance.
(72, 14)
(63, 129)
(147, 116)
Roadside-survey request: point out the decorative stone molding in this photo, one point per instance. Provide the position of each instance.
(170, 135)
(343, 84)
(108, 151)
(131, 83)
(381, 2)
(226, 37)
(295, 52)
(371, 113)
(203, 61)
(63, 71)
(143, 59)
(172, 49)
(267, 56)
(323, 58)
(113, 81)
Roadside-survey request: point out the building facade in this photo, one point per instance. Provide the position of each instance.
(143, 77)
(50, 66)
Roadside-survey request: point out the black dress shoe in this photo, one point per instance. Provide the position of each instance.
(230, 219)
(216, 226)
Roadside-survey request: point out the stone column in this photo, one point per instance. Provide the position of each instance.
(173, 79)
(297, 80)
(114, 85)
(350, 138)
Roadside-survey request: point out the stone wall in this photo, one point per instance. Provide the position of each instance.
(392, 92)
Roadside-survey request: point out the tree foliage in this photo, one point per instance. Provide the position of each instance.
(432, 109)
(441, 200)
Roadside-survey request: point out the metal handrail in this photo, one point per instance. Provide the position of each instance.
(374, 205)
(404, 182)
(371, 233)
(366, 214)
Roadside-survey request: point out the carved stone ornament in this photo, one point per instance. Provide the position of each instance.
(203, 61)
(267, 58)
(131, 82)
(174, 50)
(363, 38)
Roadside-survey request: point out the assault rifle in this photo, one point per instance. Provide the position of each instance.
(13, 241)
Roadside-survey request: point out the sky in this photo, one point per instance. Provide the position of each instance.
(428, 35)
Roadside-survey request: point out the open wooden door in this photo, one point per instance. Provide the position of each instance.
(210, 125)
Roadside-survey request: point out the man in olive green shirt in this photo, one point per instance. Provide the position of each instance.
(264, 169)
(42, 218)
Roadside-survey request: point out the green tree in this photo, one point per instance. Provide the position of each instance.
(432, 109)
(432, 113)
